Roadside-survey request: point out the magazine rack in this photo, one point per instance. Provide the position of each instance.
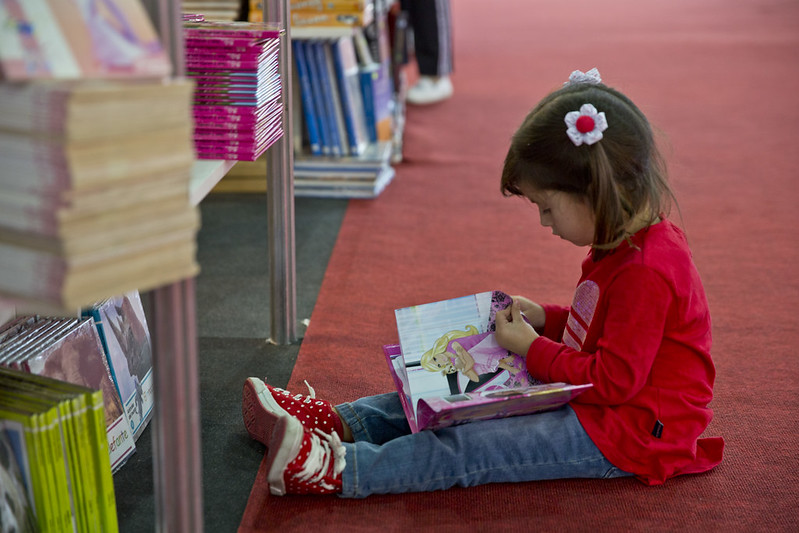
(177, 461)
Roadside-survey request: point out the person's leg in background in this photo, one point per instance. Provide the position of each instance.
(432, 34)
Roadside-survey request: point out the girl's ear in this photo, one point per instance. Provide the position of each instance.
(444, 373)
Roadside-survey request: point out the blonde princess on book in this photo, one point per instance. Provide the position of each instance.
(474, 354)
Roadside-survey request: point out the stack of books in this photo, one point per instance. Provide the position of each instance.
(56, 470)
(237, 100)
(343, 145)
(70, 349)
(362, 176)
(94, 189)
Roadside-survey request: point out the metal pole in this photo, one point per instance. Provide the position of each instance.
(177, 460)
(280, 197)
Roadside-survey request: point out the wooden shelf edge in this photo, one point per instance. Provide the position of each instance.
(205, 174)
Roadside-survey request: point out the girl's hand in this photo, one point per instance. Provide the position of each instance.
(463, 358)
(466, 362)
(533, 311)
(513, 332)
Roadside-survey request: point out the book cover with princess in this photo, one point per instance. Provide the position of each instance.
(449, 369)
(68, 39)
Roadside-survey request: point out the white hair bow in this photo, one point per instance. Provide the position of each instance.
(578, 76)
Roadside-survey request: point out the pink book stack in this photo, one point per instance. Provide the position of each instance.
(237, 104)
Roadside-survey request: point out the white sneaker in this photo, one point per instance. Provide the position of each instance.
(429, 90)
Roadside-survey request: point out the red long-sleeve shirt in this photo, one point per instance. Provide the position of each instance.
(639, 330)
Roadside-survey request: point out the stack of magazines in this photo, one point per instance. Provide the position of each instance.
(97, 153)
(94, 189)
(237, 99)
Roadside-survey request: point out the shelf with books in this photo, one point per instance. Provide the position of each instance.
(176, 436)
(176, 442)
(326, 18)
(348, 106)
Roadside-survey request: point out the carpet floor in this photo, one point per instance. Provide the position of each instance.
(719, 80)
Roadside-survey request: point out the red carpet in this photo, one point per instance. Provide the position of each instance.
(720, 79)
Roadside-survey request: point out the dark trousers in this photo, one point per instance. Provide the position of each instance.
(432, 33)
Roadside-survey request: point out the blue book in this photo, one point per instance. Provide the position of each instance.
(348, 78)
(306, 93)
(367, 78)
(336, 99)
(336, 146)
(325, 137)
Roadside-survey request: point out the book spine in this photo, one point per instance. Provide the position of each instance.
(78, 490)
(318, 98)
(232, 33)
(348, 111)
(306, 95)
(228, 112)
(336, 99)
(101, 456)
(219, 46)
(86, 460)
(349, 88)
(60, 486)
(223, 64)
(329, 5)
(194, 41)
(384, 103)
(328, 103)
(49, 478)
(367, 78)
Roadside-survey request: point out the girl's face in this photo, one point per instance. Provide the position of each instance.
(441, 360)
(569, 216)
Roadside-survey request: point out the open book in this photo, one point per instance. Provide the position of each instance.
(449, 369)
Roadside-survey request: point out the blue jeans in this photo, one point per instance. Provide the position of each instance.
(387, 458)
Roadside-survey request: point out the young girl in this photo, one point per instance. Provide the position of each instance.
(638, 329)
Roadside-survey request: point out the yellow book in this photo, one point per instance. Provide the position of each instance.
(57, 508)
(331, 5)
(93, 488)
(37, 463)
(15, 478)
(332, 19)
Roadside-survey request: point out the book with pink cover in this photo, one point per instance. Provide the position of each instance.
(69, 39)
(449, 369)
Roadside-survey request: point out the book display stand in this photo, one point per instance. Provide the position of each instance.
(176, 423)
(177, 461)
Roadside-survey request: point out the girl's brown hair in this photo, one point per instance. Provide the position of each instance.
(622, 176)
